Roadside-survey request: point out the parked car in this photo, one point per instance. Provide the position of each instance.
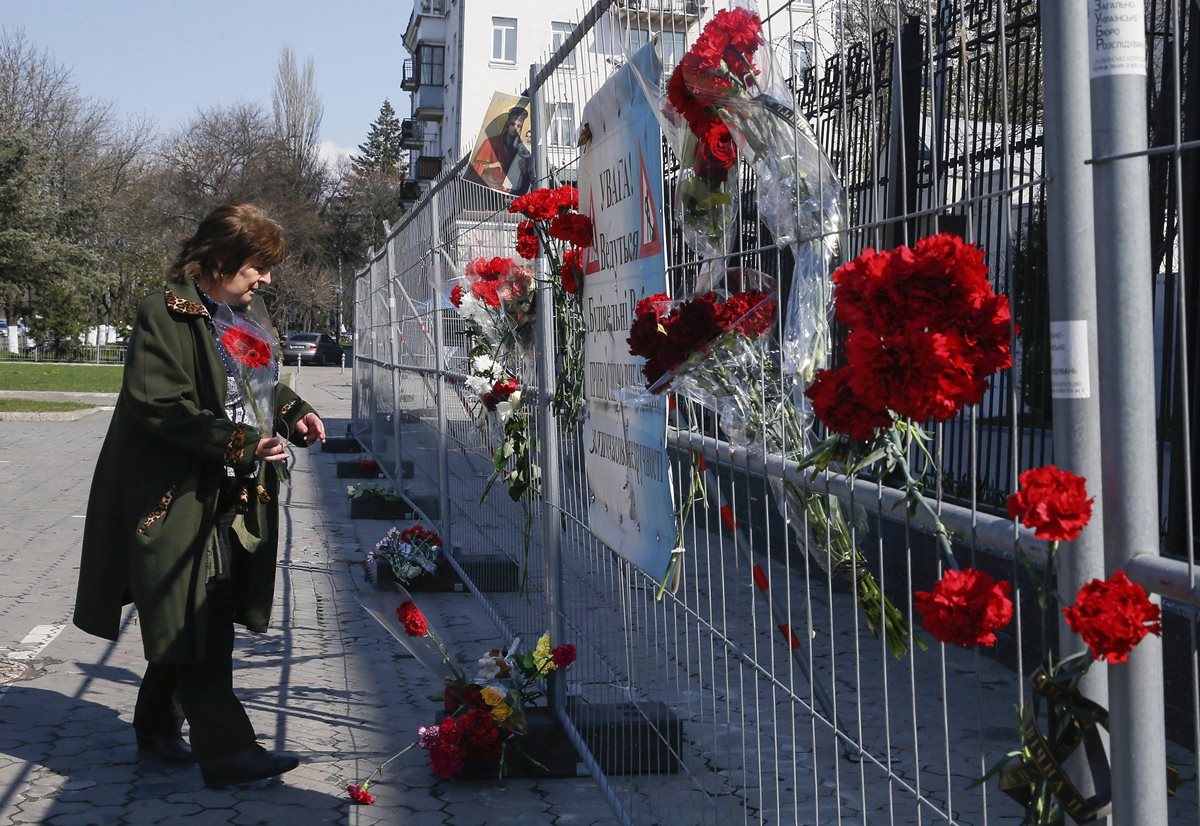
(311, 348)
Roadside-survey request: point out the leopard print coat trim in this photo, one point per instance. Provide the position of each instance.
(160, 510)
(237, 444)
(181, 305)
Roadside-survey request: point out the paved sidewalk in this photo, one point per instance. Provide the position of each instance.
(326, 681)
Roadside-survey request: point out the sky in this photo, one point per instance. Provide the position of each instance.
(167, 59)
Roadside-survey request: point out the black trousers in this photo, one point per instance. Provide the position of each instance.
(201, 692)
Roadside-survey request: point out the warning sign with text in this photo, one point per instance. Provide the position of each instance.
(620, 187)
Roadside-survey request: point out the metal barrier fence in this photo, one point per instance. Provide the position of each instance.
(754, 692)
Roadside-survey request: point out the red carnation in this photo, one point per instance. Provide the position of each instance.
(750, 313)
(456, 295)
(480, 736)
(527, 240)
(571, 269)
(245, 348)
(1112, 616)
(446, 754)
(715, 152)
(563, 655)
(359, 794)
(657, 305)
(965, 608)
(573, 228)
(412, 619)
(538, 205)
(840, 409)
(1052, 503)
(485, 291)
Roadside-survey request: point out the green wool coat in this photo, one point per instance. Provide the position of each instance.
(149, 535)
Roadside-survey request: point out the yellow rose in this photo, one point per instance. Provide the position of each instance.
(501, 713)
(492, 696)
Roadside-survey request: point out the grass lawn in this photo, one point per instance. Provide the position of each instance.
(35, 406)
(77, 378)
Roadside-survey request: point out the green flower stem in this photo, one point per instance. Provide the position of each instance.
(773, 424)
(912, 492)
(366, 784)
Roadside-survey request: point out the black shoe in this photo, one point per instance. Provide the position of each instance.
(168, 747)
(250, 764)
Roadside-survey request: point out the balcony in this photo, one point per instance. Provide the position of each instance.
(412, 134)
(427, 103)
(410, 191)
(427, 168)
(411, 80)
(661, 12)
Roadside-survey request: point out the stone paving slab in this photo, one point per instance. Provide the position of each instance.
(326, 681)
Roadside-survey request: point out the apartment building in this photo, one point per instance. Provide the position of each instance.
(462, 51)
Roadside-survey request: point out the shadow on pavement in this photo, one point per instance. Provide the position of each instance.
(100, 775)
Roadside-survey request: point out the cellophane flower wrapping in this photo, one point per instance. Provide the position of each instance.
(496, 296)
(727, 99)
(253, 352)
(410, 553)
(718, 350)
(705, 199)
(396, 610)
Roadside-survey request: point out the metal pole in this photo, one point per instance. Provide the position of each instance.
(439, 363)
(1127, 414)
(394, 359)
(547, 423)
(1070, 271)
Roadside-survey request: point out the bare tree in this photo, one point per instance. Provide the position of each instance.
(297, 105)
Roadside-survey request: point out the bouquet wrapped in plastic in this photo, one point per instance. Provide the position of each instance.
(717, 350)
(727, 100)
(496, 296)
(251, 354)
(408, 553)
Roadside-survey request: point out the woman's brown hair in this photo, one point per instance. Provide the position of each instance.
(229, 238)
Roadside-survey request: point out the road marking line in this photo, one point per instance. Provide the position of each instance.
(40, 637)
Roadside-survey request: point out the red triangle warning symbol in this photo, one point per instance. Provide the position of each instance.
(591, 262)
(651, 234)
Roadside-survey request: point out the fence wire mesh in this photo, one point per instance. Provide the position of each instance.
(754, 692)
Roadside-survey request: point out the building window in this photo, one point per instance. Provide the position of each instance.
(504, 39)
(560, 32)
(673, 45)
(802, 53)
(433, 65)
(562, 125)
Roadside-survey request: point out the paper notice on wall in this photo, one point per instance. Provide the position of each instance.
(1070, 369)
(625, 444)
(1118, 37)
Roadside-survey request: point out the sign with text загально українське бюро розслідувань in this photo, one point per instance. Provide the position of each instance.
(625, 444)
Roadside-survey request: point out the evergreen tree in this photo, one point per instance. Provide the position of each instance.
(382, 153)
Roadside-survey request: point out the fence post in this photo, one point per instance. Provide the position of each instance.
(394, 356)
(1127, 394)
(548, 435)
(1070, 271)
(439, 363)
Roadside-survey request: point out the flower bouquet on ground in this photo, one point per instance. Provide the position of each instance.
(554, 228)
(498, 306)
(715, 350)
(407, 553)
(483, 716)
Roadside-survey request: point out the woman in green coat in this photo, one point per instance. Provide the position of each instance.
(182, 516)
